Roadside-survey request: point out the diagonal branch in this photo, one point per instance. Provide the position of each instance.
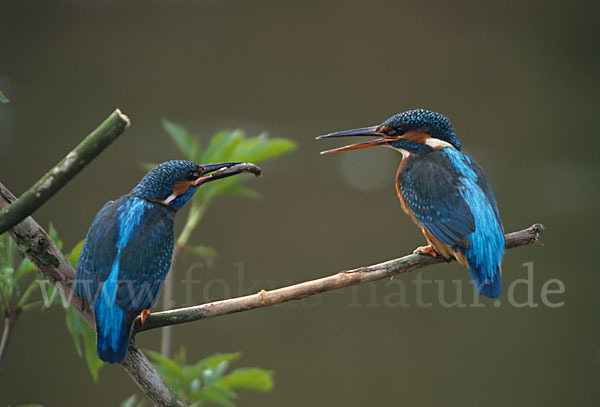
(33, 240)
(35, 243)
(306, 289)
(64, 171)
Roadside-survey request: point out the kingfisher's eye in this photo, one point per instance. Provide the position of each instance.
(191, 175)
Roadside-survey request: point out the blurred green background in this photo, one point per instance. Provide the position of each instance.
(518, 79)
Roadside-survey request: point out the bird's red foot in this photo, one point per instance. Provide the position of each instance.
(426, 251)
(144, 315)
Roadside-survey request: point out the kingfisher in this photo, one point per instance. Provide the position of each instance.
(128, 249)
(444, 191)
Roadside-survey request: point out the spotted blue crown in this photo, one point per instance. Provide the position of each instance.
(435, 124)
(158, 183)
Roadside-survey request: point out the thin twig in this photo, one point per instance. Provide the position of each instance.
(167, 334)
(9, 322)
(64, 171)
(34, 242)
(306, 289)
(195, 216)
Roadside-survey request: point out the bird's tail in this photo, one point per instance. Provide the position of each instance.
(484, 254)
(487, 280)
(113, 331)
(484, 268)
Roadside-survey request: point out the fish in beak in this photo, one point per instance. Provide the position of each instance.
(211, 172)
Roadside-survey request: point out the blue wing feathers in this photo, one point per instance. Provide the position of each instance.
(487, 243)
(450, 196)
(125, 258)
(485, 255)
(98, 254)
(485, 186)
(431, 191)
(147, 261)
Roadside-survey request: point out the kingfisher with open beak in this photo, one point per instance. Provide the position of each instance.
(128, 249)
(444, 191)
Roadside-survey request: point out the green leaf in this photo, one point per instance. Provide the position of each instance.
(209, 363)
(222, 145)
(133, 401)
(32, 305)
(168, 369)
(215, 393)
(250, 378)
(130, 401)
(214, 360)
(73, 256)
(14, 294)
(93, 361)
(74, 325)
(180, 356)
(210, 376)
(3, 98)
(33, 286)
(187, 144)
(8, 253)
(81, 332)
(53, 233)
(262, 148)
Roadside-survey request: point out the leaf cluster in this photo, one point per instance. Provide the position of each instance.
(18, 280)
(208, 381)
(225, 146)
(84, 337)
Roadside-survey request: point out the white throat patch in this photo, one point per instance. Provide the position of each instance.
(169, 199)
(437, 143)
(402, 151)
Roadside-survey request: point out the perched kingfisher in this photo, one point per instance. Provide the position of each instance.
(444, 191)
(128, 248)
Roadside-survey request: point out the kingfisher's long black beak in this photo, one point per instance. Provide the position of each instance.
(211, 172)
(372, 131)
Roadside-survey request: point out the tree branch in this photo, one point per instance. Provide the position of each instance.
(35, 243)
(306, 289)
(64, 171)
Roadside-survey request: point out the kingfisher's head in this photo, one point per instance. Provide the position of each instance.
(416, 131)
(173, 183)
